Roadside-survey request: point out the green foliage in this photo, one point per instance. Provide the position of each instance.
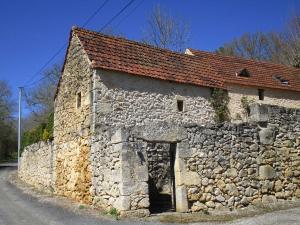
(245, 103)
(114, 213)
(81, 207)
(42, 132)
(219, 101)
(8, 141)
(46, 135)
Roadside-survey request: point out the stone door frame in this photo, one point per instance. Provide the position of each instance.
(134, 171)
(172, 134)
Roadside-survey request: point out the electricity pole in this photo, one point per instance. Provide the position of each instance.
(19, 125)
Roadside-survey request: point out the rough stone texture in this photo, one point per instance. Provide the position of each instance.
(217, 166)
(72, 136)
(239, 166)
(104, 150)
(119, 173)
(123, 99)
(288, 99)
(159, 166)
(36, 165)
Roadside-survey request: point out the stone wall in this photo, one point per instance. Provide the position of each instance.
(158, 155)
(36, 165)
(283, 98)
(123, 100)
(241, 165)
(72, 136)
(106, 170)
(217, 166)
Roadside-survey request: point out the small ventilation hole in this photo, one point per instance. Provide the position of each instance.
(180, 105)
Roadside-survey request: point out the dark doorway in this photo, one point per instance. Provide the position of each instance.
(161, 160)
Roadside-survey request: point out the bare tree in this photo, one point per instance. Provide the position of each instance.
(166, 31)
(279, 47)
(251, 46)
(40, 99)
(292, 40)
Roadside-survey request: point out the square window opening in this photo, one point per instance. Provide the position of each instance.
(180, 105)
(78, 99)
(261, 94)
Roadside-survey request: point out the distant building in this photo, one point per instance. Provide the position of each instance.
(262, 82)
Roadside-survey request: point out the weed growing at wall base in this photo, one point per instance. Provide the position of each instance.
(114, 213)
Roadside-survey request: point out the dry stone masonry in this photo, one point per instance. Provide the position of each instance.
(36, 166)
(245, 164)
(214, 167)
(217, 166)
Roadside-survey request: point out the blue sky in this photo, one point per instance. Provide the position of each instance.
(33, 30)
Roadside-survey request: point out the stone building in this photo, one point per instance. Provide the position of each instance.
(261, 82)
(134, 129)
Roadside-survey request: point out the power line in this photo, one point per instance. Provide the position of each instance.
(118, 14)
(95, 13)
(128, 14)
(88, 20)
(43, 67)
(62, 48)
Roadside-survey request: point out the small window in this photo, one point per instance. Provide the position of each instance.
(261, 94)
(180, 105)
(281, 79)
(78, 99)
(243, 73)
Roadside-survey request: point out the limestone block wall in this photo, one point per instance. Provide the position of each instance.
(241, 165)
(122, 100)
(288, 99)
(106, 170)
(36, 165)
(72, 135)
(217, 166)
(158, 156)
(223, 163)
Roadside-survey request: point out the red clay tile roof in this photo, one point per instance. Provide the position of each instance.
(201, 68)
(119, 54)
(262, 74)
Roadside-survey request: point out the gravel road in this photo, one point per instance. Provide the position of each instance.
(17, 208)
